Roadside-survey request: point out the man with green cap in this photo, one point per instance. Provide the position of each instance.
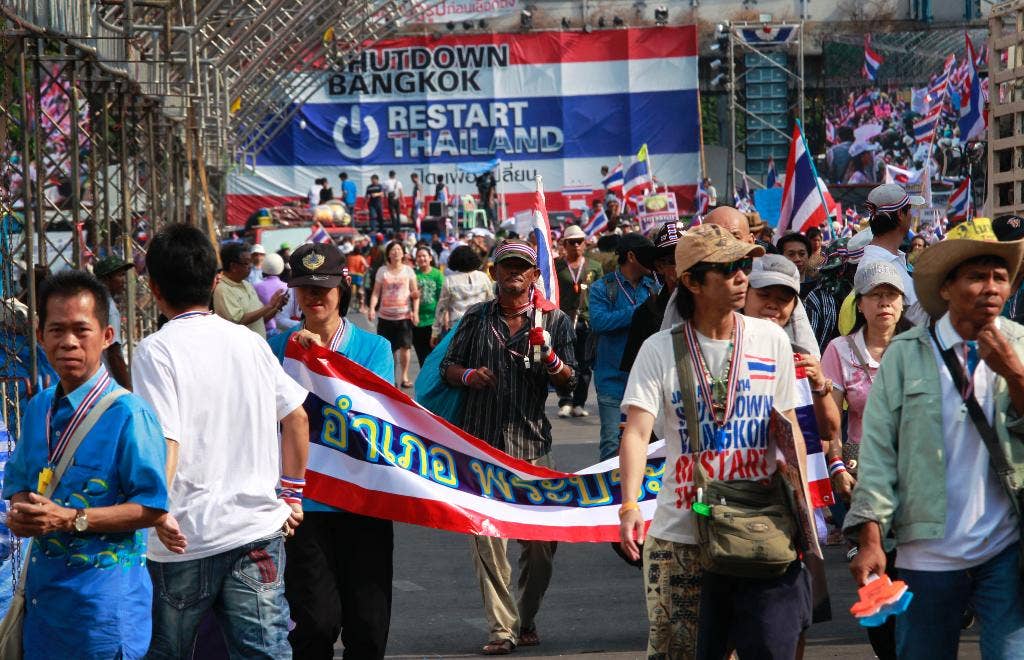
(113, 272)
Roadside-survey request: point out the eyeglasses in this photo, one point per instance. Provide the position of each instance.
(728, 270)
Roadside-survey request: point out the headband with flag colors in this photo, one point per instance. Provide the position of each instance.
(972, 116)
(615, 178)
(545, 250)
(516, 248)
(872, 60)
(803, 204)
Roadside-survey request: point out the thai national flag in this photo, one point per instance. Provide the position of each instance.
(596, 224)
(937, 88)
(702, 200)
(802, 204)
(830, 131)
(772, 178)
(615, 179)
(863, 103)
(924, 129)
(817, 471)
(545, 250)
(972, 119)
(960, 202)
(872, 60)
(319, 235)
(637, 179)
(741, 197)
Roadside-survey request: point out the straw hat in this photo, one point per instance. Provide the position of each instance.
(965, 241)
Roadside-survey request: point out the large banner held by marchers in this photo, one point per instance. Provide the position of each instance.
(557, 103)
(376, 452)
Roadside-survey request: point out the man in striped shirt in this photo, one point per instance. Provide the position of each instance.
(506, 362)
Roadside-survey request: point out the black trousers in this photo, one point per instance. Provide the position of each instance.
(421, 342)
(583, 367)
(338, 580)
(395, 211)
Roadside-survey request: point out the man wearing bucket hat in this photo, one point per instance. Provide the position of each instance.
(743, 369)
(942, 453)
(890, 206)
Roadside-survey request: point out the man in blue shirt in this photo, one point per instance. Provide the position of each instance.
(87, 592)
(339, 569)
(349, 192)
(613, 299)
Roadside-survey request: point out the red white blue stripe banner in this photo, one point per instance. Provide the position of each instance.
(817, 471)
(375, 451)
(560, 104)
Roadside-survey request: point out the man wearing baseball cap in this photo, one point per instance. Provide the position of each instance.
(745, 371)
(113, 272)
(647, 317)
(613, 299)
(889, 206)
(576, 272)
(506, 352)
(942, 453)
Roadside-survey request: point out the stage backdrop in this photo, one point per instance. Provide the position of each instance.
(560, 104)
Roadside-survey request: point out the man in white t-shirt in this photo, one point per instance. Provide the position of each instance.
(748, 372)
(235, 490)
(926, 477)
(393, 194)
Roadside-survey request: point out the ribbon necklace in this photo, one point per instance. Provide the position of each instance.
(90, 400)
(618, 278)
(336, 338)
(577, 275)
(720, 393)
(189, 315)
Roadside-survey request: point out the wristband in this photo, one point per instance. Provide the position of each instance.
(466, 375)
(835, 466)
(553, 363)
(825, 389)
(291, 489)
(628, 506)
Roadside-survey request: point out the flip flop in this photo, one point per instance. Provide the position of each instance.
(529, 637)
(498, 647)
(406, 384)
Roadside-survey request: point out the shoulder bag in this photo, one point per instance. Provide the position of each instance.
(11, 626)
(747, 528)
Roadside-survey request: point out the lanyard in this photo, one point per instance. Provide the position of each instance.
(577, 275)
(618, 278)
(967, 391)
(90, 400)
(704, 382)
(339, 334)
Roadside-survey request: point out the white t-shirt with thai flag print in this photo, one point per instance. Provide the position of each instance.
(766, 380)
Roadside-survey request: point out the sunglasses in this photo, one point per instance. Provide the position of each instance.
(728, 270)
(575, 241)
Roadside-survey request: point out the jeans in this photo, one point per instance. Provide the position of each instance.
(583, 368)
(243, 586)
(612, 420)
(930, 628)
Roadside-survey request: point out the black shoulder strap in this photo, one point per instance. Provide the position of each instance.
(988, 434)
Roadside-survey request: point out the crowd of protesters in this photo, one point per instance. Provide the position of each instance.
(911, 375)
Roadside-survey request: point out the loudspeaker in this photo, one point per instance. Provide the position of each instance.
(435, 209)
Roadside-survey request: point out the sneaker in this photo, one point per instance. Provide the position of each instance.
(578, 411)
(565, 411)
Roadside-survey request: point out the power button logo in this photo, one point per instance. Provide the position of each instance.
(356, 137)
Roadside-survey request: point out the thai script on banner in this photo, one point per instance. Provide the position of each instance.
(374, 451)
(657, 209)
(469, 10)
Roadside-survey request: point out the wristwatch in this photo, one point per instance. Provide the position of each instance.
(81, 520)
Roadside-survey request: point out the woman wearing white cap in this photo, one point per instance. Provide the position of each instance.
(852, 361)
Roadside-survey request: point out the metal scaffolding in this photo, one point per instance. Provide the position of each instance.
(120, 116)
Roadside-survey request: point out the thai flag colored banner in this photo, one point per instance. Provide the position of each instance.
(960, 202)
(803, 204)
(375, 451)
(769, 35)
(559, 104)
(817, 471)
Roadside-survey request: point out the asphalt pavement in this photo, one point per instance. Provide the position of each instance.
(594, 607)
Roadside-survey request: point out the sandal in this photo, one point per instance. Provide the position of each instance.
(529, 637)
(499, 647)
(406, 384)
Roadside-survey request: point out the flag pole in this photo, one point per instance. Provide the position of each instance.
(817, 180)
(700, 124)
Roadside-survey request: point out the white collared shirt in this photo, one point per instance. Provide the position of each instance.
(979, 517)
(913, 310)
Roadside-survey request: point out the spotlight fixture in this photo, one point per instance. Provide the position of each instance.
(718, 80)
(450, 26)
(600, 23)
(618, 22)
(565, 23)
(715, 65)
(467, 25)
(661, 15)
(525, 19)
(482, 24)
